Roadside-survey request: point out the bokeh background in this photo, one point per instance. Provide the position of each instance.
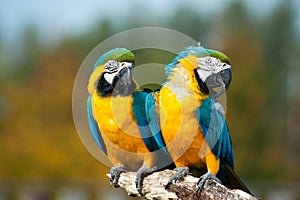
(43, 43)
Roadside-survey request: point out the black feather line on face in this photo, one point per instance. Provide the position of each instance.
(103, 87)
(202, 85)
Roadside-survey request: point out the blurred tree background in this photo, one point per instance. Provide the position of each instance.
(38, 139)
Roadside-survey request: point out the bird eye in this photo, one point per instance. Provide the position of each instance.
(111, 65)
(208, 60)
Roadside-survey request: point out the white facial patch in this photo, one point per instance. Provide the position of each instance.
(109, 77)
(209, 65)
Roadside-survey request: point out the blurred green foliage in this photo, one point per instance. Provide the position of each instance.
(37, 134)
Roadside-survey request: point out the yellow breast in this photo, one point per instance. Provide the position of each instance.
(180, 129)
(117, 123)
(120, 132)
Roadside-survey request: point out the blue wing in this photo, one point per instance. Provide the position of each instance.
(215, 130)
(138, 107)
(144, 109)
(147, 121)
(154, 123)
(94, 126)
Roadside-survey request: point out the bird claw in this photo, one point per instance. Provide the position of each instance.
(141, 174)
(180, 173)
(115, 173)
(203, 179)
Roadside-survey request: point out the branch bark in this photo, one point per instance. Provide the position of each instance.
(154, 188)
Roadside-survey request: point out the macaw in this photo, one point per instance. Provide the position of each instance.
(192, 121)
(118, 120)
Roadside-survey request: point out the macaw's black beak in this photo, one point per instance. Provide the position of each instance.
(123, 84)
(123, 78)
(226, 75)
(216, 84)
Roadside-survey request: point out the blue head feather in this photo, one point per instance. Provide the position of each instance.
(198, 51)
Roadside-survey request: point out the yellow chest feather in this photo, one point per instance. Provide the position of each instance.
(117, 123)
(180, 128)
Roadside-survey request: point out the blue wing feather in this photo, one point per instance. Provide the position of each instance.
(94, 126)
(138, 107)
(144, 109)
(153, 120)
(215, 130)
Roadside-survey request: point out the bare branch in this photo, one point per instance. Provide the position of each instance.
(154, 188)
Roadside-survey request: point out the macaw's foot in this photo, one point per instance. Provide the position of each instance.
(180, 173)
(141, 174)
(115, 173)
(203, 179)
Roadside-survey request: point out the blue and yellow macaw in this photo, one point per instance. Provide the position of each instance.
(118, 119)
(192, 121)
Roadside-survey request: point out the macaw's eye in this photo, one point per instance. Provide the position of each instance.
(208, 60)
(111, 65)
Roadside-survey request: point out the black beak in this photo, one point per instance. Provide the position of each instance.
(123, 78)
(123, 84)
(226, 77)
(216, 84)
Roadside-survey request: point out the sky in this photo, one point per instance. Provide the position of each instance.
(55, 19)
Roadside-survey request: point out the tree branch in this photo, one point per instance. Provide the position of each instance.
(154, 188)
